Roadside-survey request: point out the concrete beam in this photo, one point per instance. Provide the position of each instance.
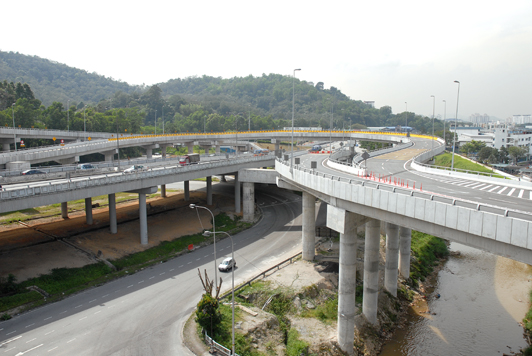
(257, 175)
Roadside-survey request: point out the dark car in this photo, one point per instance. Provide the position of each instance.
(86, 166)
(32, 171)
(227, 264)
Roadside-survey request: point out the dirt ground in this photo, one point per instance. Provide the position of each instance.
(35, 249)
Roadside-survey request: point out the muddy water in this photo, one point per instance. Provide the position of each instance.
(482, 300)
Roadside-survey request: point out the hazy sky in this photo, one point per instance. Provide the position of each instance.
(391, 52)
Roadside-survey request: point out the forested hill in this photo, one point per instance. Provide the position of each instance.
(52, 81)
(189, 104)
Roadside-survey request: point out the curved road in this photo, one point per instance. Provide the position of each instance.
(143, 314)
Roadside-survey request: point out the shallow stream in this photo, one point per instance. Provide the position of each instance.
(482, 299)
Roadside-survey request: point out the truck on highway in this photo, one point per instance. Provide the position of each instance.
(192, 158)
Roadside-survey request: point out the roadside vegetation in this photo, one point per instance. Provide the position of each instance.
(527, 324)
(445, 160)
(62, 282)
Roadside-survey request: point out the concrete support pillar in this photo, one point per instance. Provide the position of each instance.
(217, 149)
(163, 150)
(371, 271)
(112, 213)
(309, 227)
(249, 201)
(209, 190)
(392, 258)
(190, 147)
(5, 146)
(347, 285)
(237, 194)
(149, 153)
(109, 156)
(222, 179)
(163, 190)
(143, 217)
(186, 187)
(405, 236)
(64, 210)
(88, 211)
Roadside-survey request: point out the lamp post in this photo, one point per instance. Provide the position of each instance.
(155, 121)
(330, 127)
(163, 118)
(14, 131)
(194, 206)
(249, 118)
(406, 114)
(444, 115)
(208, 233)
(432, 142)
(68, 115)
(455, 119)
(293, 114)
(84, 124)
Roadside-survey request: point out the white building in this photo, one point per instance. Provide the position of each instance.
(507, 136)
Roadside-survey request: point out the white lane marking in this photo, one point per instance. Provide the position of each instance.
(69, 341)
(206, 256)
(476, 186)
(10, 349)
(92, 300)
(78, 306)
(99, 311)
(521, 193)
(11, 333)
(151, 277)
(511, 191)
(53, 349)
(171, 269)
(105, 295)
(189, 263)
(83, 318)
(140, 282)
(49, 332)
(492, 189)
(130, 286)
(486, 187)
(47, 318)
(179, 266)
(8, 341)
(160, 274)
(27, 326)
(31, 340)
(466, 186)
(197, 259)
(502, 190)
(33, 348)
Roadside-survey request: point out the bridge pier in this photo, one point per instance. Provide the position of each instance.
(109, 155)
(405, 236)
(217, 149)
(143, 218)
(88, 211)
(64, 210)
(309, 227)
(371, 271)
(209, 190)
(190, 147)
(112, 213)
(392, 258)
(186, 189)
(237, 194)
(163, 190)
(248, 204)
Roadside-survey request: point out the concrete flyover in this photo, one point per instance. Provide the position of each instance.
(352, 203)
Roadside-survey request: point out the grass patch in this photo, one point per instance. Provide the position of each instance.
(295, 346)
(326, 312)
(445, 160)
(426, 249)
(17, 300)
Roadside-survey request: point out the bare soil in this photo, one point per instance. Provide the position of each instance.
(37, 248)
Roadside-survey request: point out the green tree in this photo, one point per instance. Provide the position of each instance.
(208, 315)
(516, 152)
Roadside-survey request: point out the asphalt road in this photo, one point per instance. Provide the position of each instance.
(143, 314)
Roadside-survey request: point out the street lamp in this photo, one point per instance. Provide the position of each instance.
(163, 118)
(433, 104)
(208, 233)
(84, 124)
(14, 131)
(455, 119)
(406, 114)
(68, 115)
(155, 121)
(194, 206)
(444, 115)
(293, 113)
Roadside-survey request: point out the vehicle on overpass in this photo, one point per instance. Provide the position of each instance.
(85, 166)
(315, 148)
(32, 171)
(192, 158)
(135, 168)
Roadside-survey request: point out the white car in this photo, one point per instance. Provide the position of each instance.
(135, 168)
(227, 264)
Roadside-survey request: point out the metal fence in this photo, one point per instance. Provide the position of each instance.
(215, 347)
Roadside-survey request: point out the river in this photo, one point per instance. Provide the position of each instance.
(482, 299)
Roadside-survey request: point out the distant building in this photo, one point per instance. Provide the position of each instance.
(521, 119)
(479, 119)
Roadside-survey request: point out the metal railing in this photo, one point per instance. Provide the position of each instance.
(216, 347)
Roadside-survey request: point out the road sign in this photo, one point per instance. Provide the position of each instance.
(89, 138)
(365, 155)
(53, 139)
(62, 141)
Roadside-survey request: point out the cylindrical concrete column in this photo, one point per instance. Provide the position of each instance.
(186, 188)
(405, 235)
(190, 147)
(392, 258)
(346, 291)
(143, 217)
(149, 153)
(309, 227)
(5, 146)
(88, 211)
(163, 190)
(64, 210)
(112, 213)
(237, 194)
(109, 156)
(249, 201)
(371, 270)
(209, 190)
(217, 149)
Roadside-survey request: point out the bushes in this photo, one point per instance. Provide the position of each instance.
(426, 249)
(295, 346)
